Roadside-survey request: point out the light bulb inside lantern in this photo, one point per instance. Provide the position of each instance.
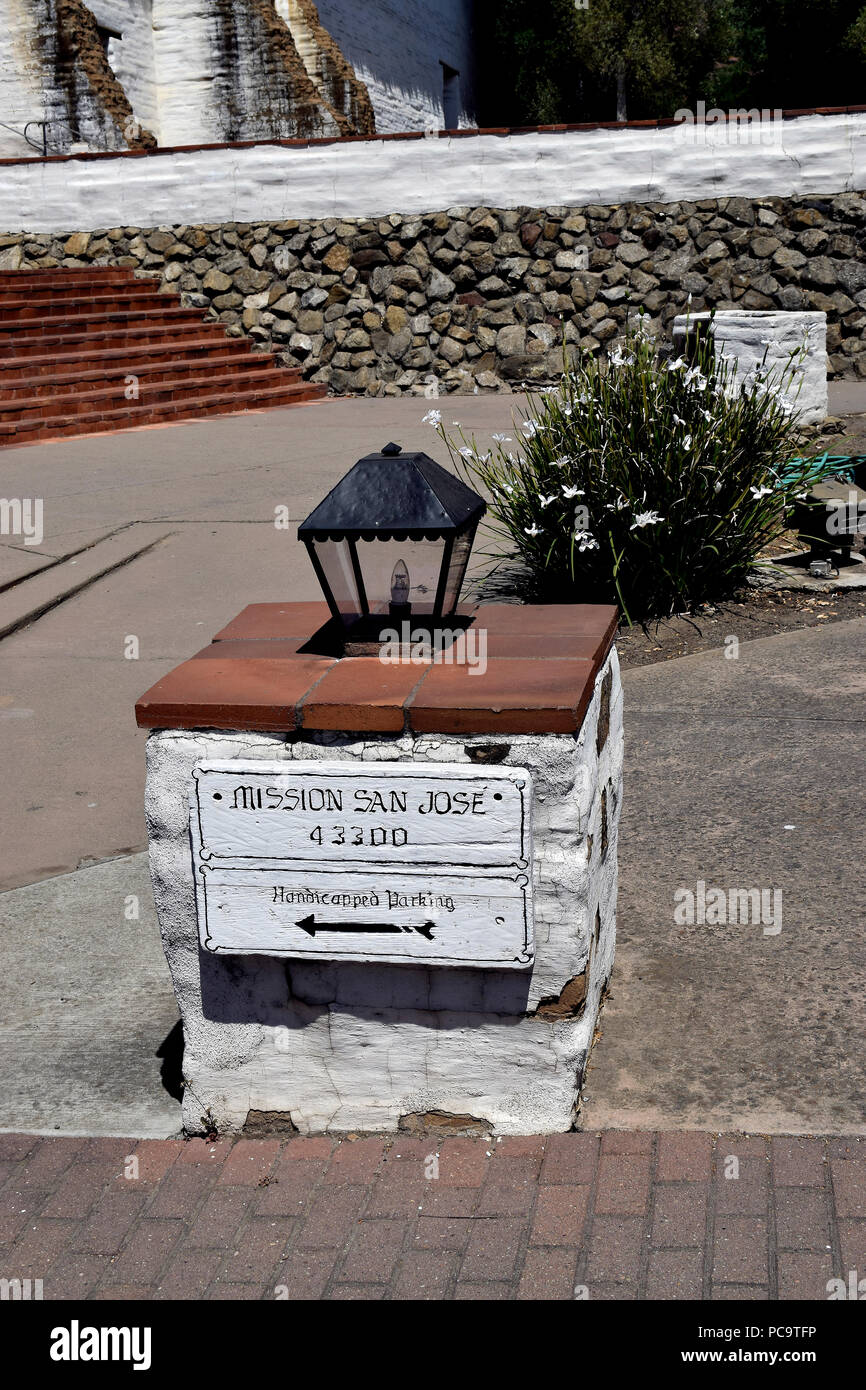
(400, 586)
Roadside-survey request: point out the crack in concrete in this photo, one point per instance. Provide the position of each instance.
(33, 616)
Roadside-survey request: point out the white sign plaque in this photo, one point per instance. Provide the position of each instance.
(401, 862)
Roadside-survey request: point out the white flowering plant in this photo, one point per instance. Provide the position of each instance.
(648, 482)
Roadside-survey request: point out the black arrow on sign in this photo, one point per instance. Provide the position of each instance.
(311, 926)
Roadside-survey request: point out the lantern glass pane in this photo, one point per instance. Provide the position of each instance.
(385, 580)
(457, 569)
(336, 561)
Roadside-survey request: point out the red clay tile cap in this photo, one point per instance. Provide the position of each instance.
(267, 621)
(231, 692)
(520, 695)
(362, 693)
(541, 662)
(548, 619)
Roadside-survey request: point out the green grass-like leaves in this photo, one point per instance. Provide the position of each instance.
(649, 483)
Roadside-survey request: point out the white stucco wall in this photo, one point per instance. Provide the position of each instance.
(20, 86)
(172, 66)
(397, 48)
(187, 82)
(201, 97)
(29, 90)
(270, 182)
(132, 57)
(183, 37)
(789, 348)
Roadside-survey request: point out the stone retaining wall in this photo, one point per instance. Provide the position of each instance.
(478, 297)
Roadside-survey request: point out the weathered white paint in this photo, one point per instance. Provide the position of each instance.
(788, 348)
(288, 861)
(185, 82)
(187, 87)
(398, 48)
(133, 57)
(20, 84)
(31, 91)
(269, 182)
(344, 1045)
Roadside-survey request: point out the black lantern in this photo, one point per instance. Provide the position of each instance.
(392, 539)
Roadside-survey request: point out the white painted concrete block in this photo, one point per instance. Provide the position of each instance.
(771, 341)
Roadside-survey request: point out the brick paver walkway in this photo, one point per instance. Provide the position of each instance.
(623, 1214)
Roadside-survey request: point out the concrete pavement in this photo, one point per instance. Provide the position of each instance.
(89, 1037)
(744, 774)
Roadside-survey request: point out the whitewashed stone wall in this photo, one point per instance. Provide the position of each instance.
(20, 86)
(38, 82)
(193, 69)
(373, 178)
(27, 84)
(397, 47)
(132, 58)
(342, 1046)
(194, 72)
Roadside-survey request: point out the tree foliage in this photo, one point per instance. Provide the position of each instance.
(554, 62)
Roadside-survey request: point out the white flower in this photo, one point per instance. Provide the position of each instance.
(675, 366)
(619, 358)
(531, 427)
(687, 442)
(695, 377)
(501, 438)
(572, 492)
(758, 492)
(532, 530)
(717, 487)
(433, 417)
(546, 501)
(467, 453)
(645, 519)
(585, 540)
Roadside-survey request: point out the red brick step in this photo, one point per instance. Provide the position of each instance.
(43, 306)
(133, 357)
(169, 412)
(172, 369)
(125, 337)
(190, 388)
(70, 338)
